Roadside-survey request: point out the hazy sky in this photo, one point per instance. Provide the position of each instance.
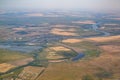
(61, 4)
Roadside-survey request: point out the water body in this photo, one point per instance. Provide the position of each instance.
(95, 28)
(21, 48)
(78, 57)
(22, 32)
(20, 45)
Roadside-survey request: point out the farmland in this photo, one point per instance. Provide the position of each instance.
(7, 55)
(95, 68)
(53, 45)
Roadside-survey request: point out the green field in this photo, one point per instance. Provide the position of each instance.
(7, 55)
(88, 48)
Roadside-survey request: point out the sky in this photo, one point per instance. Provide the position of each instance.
(60, 4)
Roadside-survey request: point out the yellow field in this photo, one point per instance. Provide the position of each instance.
(62, 26)
(59, 48)
(71, 41)
(62, 30)
(53, 55)
(111, 48)
(5, 67)
(110, 24)
(19, 29)
(95, 39)
(58, 31)
(35, 15)
(104, 39)
(84, 22)
(71, 29)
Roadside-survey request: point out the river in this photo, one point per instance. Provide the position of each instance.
(96, 28)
